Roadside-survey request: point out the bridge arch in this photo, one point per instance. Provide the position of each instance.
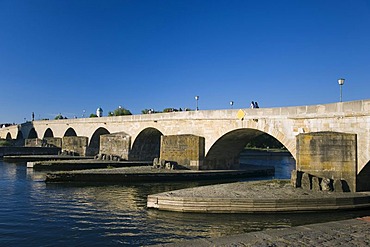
(146, 145)
(20, 135)
(48, 133)
(94, 145)
(32, 134)
(225, 152)
(363, 178)
(8, 136)
(70, 132)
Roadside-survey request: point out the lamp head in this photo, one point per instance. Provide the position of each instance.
(341, 81)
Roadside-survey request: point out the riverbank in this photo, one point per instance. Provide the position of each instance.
(84, 164)
(150, 174)
(353, 232)
(23, 158)
(271, 196)
(16, 151)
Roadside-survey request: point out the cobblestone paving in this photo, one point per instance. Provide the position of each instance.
(266, 189)
(353, 232)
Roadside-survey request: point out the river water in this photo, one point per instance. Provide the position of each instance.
(33, 213)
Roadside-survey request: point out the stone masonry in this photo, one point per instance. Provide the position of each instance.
(330, 155)
(186, 150)
(75, 145)
(117, 144)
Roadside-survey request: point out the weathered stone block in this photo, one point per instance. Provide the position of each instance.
(341, 186)
(34, 142)
(75, 144)
(183, 149)
(296, 178)
(116, 144)
(328, 155)
(53, 142)
(326, 184)
(306, 182)
(316, 183)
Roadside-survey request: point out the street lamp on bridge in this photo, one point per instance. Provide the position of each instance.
(340, 82)
(196, 99)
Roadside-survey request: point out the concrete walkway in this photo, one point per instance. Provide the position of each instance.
(354, 232)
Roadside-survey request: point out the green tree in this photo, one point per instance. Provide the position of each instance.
(264, 141)
(169, 109)
(93, 115)
(145, 111)
(59, 116)
(120, 111)
(149, 111)
(4, 143)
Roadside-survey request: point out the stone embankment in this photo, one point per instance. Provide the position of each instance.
(256, 197)
(150, 174)
(73, 164)
(354, 232)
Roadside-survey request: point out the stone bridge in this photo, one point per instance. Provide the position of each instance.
(338, 133)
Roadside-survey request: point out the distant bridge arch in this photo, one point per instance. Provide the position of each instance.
(70, 132)
(48, 133)
(8, 136)
(32, 134)
(94, 143)
(146, 145)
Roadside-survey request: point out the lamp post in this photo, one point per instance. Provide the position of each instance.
(197, 98)
(340, 82)
(231, 104)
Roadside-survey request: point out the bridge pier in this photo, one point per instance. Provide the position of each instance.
(330, 155)
(117, 144)
(75, 144)
(186, 150)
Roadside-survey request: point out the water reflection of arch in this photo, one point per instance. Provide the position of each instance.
(8, 136)
(48, 133)
(146, 145)
(225, 152)
(94, 145)
(32, 134)
(70, 132)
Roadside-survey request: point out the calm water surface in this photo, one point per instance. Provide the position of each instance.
(33, 213)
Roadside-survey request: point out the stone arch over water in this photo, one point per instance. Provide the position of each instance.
(32, 134)
(8, 136)
(20, 135)
(225, 152)
(70, 132)
(94, 145)
(146, 145)
(48, 133)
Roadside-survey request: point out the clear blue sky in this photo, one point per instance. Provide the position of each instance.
(66, 56)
